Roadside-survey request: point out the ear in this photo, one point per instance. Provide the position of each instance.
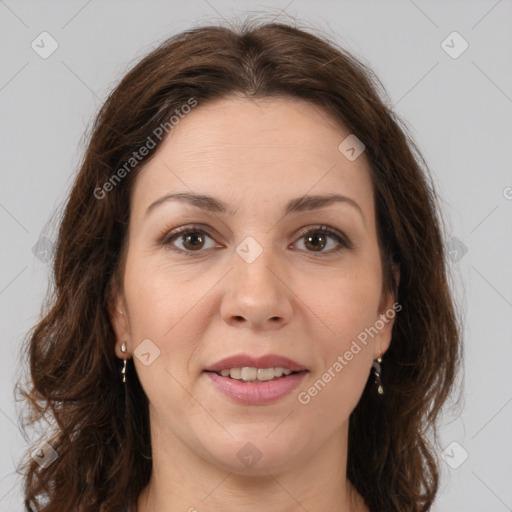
(388, 309)
(118, 313)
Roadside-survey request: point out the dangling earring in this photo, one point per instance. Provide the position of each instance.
(123, 371)
(377, 369)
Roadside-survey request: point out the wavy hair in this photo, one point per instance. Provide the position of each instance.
(100, 427)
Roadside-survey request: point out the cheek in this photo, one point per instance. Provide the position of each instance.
(160, 308)
(158, 296)
(348, 309)
(335, 387)
(346, 303)
(331, 397)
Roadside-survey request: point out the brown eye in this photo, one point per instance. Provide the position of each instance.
(193, 240)
(188, 239)
(316, 240)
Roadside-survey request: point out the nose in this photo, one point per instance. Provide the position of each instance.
(257, 294)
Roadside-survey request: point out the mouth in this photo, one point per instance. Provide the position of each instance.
(248, 390)
(247, 374)
(247, 367)
(256, 380)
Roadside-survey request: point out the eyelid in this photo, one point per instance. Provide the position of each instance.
(343, 241)
(168, 235)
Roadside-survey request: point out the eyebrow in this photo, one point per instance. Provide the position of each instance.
(299, 204)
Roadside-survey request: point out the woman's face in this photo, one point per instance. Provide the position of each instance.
(259, 277)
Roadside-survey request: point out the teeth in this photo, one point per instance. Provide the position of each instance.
(249, 374)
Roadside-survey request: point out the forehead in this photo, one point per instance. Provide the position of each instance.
(249, 151)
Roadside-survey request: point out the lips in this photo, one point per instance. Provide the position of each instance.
(256, 393)
(266, 361)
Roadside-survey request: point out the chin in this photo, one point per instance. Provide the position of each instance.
(255, 453)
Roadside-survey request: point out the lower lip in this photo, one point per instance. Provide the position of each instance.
(257, 393)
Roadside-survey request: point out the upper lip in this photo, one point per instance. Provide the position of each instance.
(266, 361)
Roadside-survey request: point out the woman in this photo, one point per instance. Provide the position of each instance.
(251, 308)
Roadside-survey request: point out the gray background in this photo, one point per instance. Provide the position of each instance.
(459, 111)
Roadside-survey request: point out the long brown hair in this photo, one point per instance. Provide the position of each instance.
(100, 427)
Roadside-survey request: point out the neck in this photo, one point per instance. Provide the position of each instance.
(181, 480)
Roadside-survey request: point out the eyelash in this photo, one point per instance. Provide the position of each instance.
(166, 240)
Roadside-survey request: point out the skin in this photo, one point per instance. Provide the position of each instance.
(300, 300)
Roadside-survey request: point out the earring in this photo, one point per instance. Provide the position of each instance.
(123, 371)
(377, 370)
